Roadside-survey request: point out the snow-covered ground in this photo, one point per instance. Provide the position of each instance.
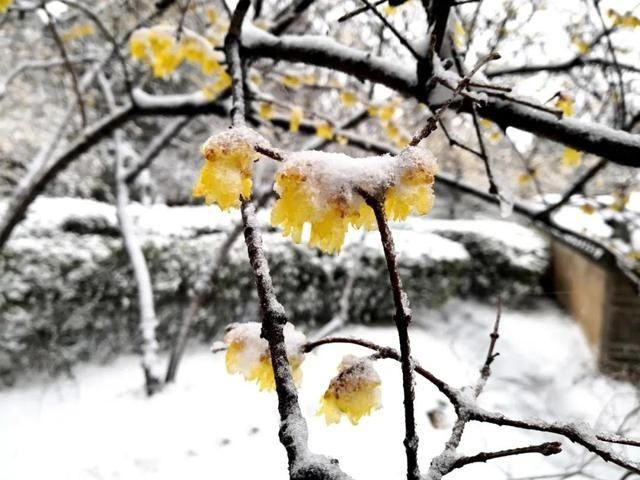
(214, 426)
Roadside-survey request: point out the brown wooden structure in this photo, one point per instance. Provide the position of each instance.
(604, 302)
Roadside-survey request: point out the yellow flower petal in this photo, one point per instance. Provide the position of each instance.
(295, 117)
(571, 157)
(290, 81)
(347, 98)
(265, 110)
(354, 392)
(324, 130)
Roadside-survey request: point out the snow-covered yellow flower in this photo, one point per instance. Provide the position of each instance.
(329, 220)
(226, 174)
(354, 392)
(160, 47)
(248, 353)
(322, 190)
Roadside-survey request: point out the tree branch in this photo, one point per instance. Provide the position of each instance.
(618, 146)
(546, 449)
(402, 319)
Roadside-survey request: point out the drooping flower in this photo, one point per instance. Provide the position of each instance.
(322, 190)
(226, 174)
(354, 392)
(248, 353)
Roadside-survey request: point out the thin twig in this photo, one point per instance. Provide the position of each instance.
(393, 30)
(546, 449)
(402, 319)
(432, 122)
(68, 65)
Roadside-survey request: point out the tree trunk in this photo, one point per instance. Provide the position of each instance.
(148, 320)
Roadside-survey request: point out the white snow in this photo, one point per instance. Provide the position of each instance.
(213, 425)
(329, 175)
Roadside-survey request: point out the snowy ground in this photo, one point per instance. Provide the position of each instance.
(214, 426)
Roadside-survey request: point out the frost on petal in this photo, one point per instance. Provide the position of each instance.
(321, 189)
(226, 174)
(248, 353)
(354, 392)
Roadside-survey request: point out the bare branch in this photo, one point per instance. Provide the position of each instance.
(618, 146)
(402, 319)
(546, 449)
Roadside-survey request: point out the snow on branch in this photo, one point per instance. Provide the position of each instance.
(618, 146)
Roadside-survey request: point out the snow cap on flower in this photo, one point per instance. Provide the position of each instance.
(248, 353)
(226, 174)
(354, 392)
(321, 189)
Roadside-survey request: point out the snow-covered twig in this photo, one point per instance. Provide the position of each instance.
(432, 122)
(501, 108)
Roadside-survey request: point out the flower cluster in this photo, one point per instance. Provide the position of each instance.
(164, 50)
(248, 353)
(322, 189)
(354, 392)
(226, 174)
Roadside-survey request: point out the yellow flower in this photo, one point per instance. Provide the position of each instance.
(290, 81)
(138, 44)
(324, 130)
(322, 190)
(354, 392)
(226, 174)
(248, 353)
(413, 194)
(386, 112)
(4, 5)
(295, 117)
(459, 35)
(159, 45)
(564, 103)
(625, 20)
(265, 110)
(581, 45)
(571, 157)
(167, 61)
(389, 10)
(329, 221)
(347, 98)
